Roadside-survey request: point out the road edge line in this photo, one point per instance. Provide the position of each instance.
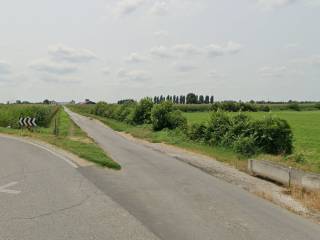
(43, 147)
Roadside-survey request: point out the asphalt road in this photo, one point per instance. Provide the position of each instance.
(43, 196)
(179, 202)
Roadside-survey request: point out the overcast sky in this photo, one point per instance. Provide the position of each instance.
(114, 49)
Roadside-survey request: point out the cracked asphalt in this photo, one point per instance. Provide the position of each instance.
(56, 202)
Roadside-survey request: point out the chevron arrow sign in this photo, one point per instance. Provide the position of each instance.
(27, 122)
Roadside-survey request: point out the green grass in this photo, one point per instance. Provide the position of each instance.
(10, 114)
(172, 137)
(70, 138)
(305, 126)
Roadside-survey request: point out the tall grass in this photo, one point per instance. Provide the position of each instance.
(10, 114)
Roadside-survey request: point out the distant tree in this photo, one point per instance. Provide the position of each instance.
(124, 101)
(46, 101)
(201, 99)
(191, 98)
(212, 99)
(207, 100)
(18, 102)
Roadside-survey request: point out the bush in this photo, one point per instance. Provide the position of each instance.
(245, 136)
(240, 126)
(124, 111)
(163, 116)
(317, 106)
(142, 112)
(294, 107)
(159, 115)
(176, 120)
(273, 135)
(246, 146)
(264, 108)
(198, 132)
(218, 126)
(100, 108)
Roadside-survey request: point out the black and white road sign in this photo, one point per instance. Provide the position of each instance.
(27, 122)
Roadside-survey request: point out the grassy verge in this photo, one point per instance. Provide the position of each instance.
(306, 138)
(172, 137)
(70, 138)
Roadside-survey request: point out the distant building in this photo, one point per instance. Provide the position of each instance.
(87, 101)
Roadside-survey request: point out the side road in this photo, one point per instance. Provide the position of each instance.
(177, 201)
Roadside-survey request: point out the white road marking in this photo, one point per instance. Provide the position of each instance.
(71, 163)
(4, 189)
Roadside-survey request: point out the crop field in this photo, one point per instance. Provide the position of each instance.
(305, 126)
(10, 114)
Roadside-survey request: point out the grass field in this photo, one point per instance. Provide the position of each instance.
(305, 126)
(70, 138)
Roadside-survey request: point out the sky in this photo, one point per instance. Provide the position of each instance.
(118, 49)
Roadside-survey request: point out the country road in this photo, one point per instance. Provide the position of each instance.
(176, 201)
(44, 196)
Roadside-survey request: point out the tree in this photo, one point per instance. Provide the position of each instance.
(212, 99)
(207, 100)
(191, 98)
(201, 99)
(46, 101)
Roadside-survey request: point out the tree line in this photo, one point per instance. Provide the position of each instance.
(190, 98)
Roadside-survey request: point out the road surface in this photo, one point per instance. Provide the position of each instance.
(43, 196)
(179, 202)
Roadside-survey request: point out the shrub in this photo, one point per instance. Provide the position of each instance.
(218, 126)
(317, 106)
(273, 135)
(124, 111)
(176, 120)
(142, 112)
(100, 108)
(163, 116)
(264, 108)
(159, 115)
(240, 126)
(198, 132)
(246, 146)
(294, 107)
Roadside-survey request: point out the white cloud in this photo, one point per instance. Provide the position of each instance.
(127, 7)
(272, 4)
(5, 68)
(160, 8)
(311, 61)
(215, 74)
(106, 71)
(273, 71)
(47, 66)
(161, 52)
(230, 48)
(133, 75)
(184, 68)
(136, 58)
(161, 33)
(64, 53)
(291, 45)
(187, 49)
